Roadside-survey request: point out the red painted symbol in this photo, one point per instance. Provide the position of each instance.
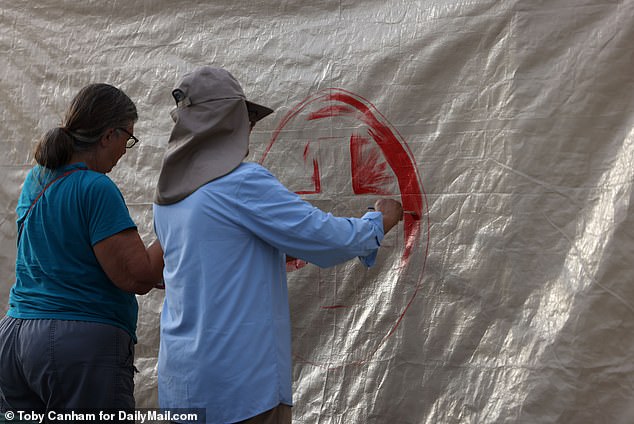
(338, 152)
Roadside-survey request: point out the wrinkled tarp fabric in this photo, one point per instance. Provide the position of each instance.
(506, 126)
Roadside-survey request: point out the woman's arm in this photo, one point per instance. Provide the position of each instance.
(128, 263)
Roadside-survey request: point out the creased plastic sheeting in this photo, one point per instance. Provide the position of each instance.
(508, 128)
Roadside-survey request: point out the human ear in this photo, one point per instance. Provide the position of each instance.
(106, 138)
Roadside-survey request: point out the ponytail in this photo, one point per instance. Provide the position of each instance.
(55, 149)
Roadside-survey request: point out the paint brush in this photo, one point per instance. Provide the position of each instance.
(413, 214)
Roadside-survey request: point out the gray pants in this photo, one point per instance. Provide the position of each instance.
(48, 364)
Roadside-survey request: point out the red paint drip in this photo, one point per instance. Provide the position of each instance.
(316, 176)
(306, 151)
(295, 264)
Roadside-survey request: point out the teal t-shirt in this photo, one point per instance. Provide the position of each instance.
(57, 273)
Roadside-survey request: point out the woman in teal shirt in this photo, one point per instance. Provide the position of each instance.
(67, 341)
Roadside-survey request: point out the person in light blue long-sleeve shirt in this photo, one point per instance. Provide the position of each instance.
(227, 228)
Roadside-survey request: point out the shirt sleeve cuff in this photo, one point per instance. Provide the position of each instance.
(376, 219)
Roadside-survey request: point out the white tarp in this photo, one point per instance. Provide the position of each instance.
(508, 126)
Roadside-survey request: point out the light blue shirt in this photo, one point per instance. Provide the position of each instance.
(225, 327)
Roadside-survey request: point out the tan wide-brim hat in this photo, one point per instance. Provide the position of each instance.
(210, 137)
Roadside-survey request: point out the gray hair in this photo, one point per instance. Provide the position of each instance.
(95, 109)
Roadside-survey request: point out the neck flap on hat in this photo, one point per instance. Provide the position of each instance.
(210, 137)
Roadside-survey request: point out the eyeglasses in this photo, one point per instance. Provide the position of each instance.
(131, 141)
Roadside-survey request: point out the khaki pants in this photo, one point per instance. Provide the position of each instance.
(281, 414)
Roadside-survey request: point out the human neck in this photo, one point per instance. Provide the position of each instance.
(89, 158)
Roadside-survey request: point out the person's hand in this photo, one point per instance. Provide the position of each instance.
(392, 213)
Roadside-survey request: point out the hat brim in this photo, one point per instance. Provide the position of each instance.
(257, 112)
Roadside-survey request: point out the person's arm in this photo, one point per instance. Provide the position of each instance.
(129, 265)
(282, 219)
